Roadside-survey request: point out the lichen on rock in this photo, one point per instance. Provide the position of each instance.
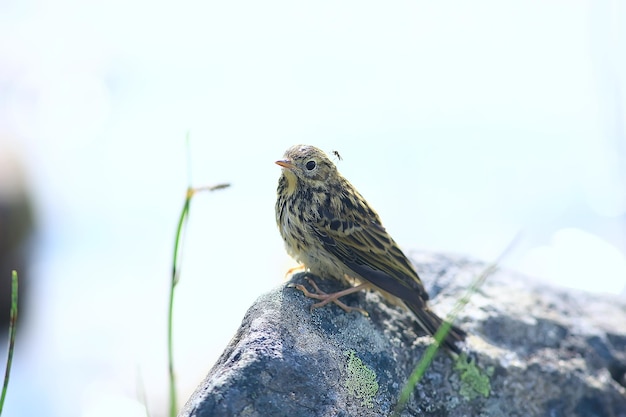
(474, 382)
(361, 380)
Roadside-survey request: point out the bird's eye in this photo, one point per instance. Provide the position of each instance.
(310, 165)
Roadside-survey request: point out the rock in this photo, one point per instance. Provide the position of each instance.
(538, 351)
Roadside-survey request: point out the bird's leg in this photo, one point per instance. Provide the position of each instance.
(334, 297)
(294, 269)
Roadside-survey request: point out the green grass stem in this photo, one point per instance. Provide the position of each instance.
(443, 330)
(178, 242)
(12, 329)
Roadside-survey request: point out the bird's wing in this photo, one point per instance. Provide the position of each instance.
(368, 250)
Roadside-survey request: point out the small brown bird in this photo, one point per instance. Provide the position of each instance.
(329, 227)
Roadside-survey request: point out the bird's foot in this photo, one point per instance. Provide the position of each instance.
(328, 298)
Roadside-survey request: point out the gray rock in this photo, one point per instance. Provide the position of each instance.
(540, 351)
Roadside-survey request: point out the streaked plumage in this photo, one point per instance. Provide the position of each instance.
(329, 227)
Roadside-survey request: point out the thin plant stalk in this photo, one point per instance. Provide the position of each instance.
(443, 330)
(178, 242)
(12, 329)
(182, 221)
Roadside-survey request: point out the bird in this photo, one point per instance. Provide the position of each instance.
(330, 229)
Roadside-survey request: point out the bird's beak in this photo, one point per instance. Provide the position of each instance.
(285, 163)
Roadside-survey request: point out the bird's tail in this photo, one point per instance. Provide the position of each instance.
(430, 322)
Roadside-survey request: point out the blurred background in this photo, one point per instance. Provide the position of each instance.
(461, 124)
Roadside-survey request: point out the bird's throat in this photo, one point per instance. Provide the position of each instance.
(291, 182)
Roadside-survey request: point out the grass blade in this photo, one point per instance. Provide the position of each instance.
(423, 364)
(12, 328)
(178, 242)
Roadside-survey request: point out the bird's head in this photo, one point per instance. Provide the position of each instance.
(308, 165)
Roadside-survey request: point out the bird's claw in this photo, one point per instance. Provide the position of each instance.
(327, 298)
